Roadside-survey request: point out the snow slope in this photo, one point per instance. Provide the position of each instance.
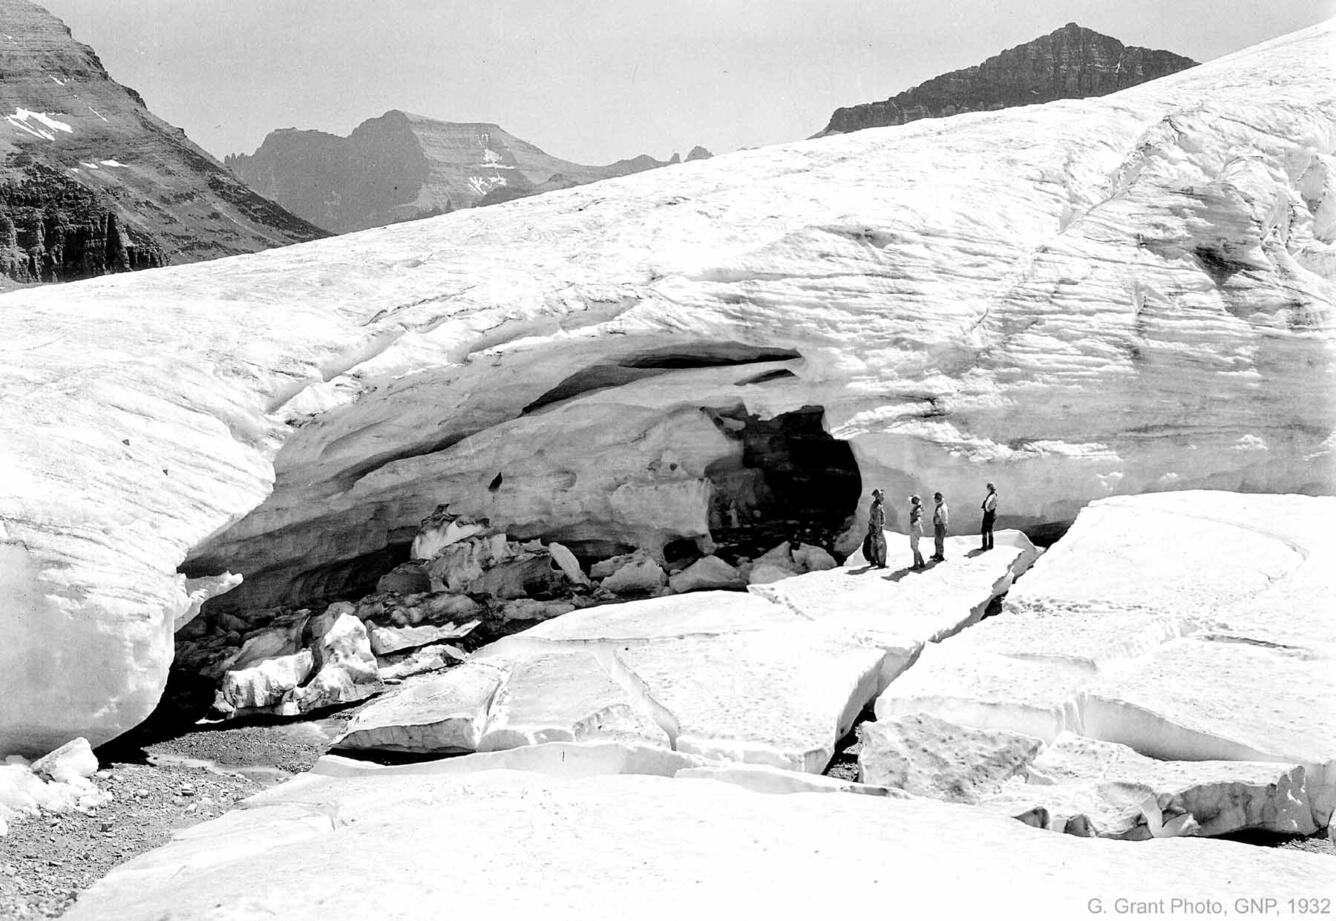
(1080, 299)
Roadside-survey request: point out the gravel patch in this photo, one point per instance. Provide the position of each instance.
(158, 789)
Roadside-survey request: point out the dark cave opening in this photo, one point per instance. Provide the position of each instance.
(346, 579)
(792, 481)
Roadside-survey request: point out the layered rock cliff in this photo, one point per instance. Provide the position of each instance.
(91, 182)
(1071, 63)
(1073, 300)
(401, 166)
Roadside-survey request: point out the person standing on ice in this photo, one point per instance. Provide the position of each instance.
(874, 545)
(940, 519)
(989, 507)
(916, 530)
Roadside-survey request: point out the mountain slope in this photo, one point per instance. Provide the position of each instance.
(91, 182)
(1071, 63)
(401, 166)
(1074, 300)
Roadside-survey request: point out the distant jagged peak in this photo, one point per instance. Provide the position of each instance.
(1072, 62)
(400, 165)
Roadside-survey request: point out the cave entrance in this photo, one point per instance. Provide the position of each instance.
(791, 481)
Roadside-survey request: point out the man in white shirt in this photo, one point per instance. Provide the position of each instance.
(940, 519)
(989, 507)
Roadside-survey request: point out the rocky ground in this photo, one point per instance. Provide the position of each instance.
(165, 786)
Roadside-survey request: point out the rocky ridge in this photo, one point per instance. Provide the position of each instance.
(92, 183)
(1070, 63)
(400, 166)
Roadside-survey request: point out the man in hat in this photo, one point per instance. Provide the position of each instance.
(874, 544)
(940, 519)
(989, 507)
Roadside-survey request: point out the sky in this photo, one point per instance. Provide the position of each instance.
(596, 80)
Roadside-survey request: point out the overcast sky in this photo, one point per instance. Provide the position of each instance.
(596, 80)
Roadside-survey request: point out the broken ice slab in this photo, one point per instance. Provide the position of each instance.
(773, 677)
(419, 661)
(777, 689)
(444, 713)
(1213, 697)
(983, 690)
(923, 606)
(567, 697)
(386, 640)
(782, 696)
(1203, 697)
(1094, 788)
(1191, 553)
(1187, 626)
(928, 756)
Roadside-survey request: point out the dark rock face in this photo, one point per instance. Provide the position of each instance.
(91, 182)
(1071, 63)
(401, 166)
(54, 229)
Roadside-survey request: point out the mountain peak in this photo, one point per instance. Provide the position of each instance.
(1072, 62)
(399, 166)
(92, 182)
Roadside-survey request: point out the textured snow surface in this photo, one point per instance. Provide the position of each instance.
(753, 678)
(1190, 626)
(1074, 300)
(512, 837)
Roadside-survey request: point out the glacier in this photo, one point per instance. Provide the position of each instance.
(1076, 300)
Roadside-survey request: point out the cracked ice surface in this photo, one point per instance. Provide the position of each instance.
(781, 697)
(557, 839)
(1100, 296)
(1190, 626)
(728, 676)
(1088, 786)
(565, 696)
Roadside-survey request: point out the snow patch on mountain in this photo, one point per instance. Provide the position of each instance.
(24, 119)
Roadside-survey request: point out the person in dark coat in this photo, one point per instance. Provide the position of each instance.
(916, 530)
(874, 545)
(940, 519)
(989, 507)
